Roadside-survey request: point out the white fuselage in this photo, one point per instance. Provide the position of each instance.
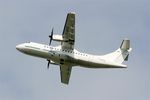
(71, 57)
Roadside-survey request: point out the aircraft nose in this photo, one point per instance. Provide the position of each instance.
(19, 47)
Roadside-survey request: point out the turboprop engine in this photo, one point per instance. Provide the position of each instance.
(53, 37)
(58, 38)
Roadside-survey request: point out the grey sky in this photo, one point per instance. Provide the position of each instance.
(100, 27)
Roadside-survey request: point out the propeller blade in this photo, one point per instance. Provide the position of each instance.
(52, 32)
(48, 64)
(50, 41)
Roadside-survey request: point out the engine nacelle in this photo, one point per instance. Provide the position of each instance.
(57, 38)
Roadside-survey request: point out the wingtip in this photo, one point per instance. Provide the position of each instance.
(72, 13)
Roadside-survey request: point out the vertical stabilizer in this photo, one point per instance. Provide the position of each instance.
(120, 54)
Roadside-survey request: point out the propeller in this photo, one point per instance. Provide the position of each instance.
(51, 36)
(48, 63)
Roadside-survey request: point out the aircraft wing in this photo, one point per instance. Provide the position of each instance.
(65, 72)
(69, 32)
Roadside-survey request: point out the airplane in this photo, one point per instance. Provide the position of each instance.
(66, 56)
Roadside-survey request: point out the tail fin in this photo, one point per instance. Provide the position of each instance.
(125, 45)
(120, 54)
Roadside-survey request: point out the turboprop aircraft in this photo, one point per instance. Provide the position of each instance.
(66, 56)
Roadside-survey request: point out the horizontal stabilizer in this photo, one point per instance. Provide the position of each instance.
(126, 59)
